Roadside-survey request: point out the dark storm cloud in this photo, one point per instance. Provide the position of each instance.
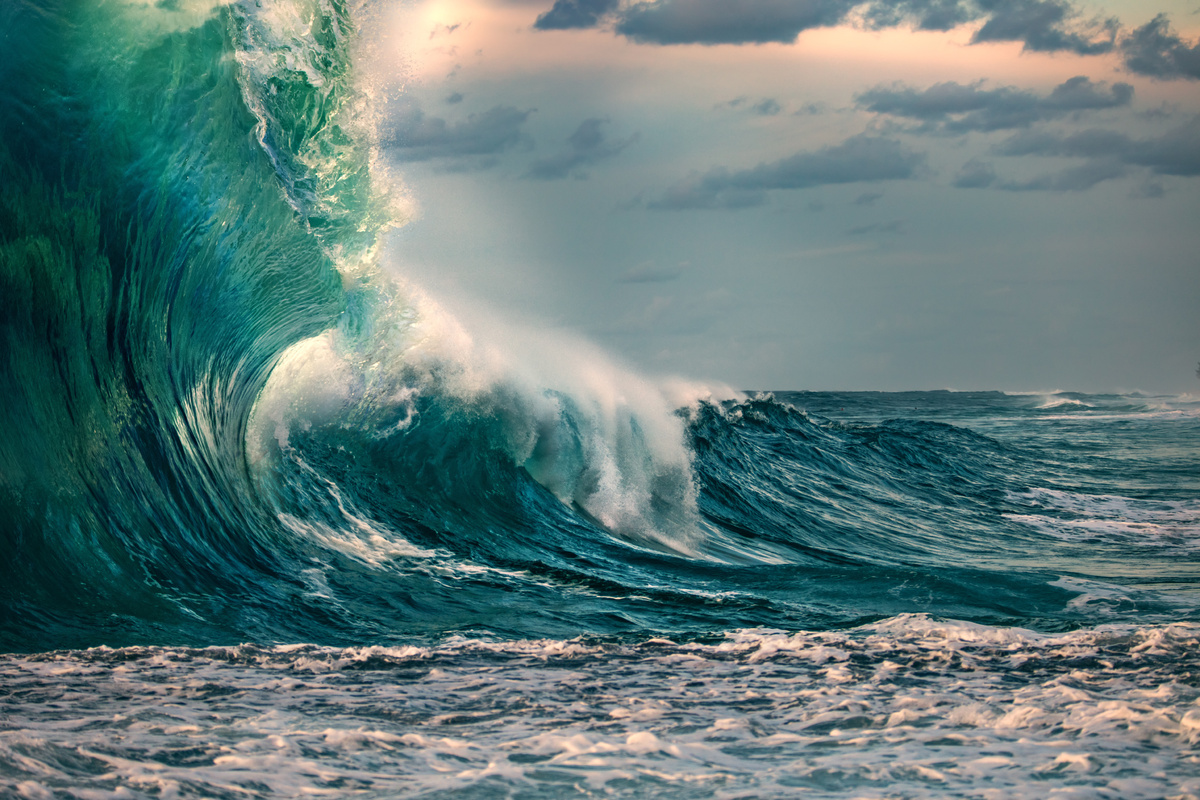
(954, 108)
(1155, 50)
(728, 21)
(417, 137)
(586, 146)
(1175, 153)
(858, 159)
(567, 14)
(1041, 25)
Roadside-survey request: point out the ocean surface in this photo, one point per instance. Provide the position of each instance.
(276, 525)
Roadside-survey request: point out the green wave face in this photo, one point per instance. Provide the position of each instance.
(152, 269)
(221, 420)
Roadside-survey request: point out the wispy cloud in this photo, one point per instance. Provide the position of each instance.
(1071, 179)
(767, 107)
(649, 272)
(1175, 153)
(1107, 155)
(470, 143)
(858, 159)
(956, 108)
(588, 145)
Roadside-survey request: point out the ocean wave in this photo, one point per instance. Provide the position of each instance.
(240, 421)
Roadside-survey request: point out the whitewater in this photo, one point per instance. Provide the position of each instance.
(275, 523)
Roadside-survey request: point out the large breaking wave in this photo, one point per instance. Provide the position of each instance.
(224, 419)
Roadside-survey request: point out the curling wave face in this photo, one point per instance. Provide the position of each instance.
(225, 422)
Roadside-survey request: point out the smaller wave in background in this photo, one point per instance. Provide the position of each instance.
(1110, 519)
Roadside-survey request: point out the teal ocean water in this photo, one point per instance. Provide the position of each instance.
(275, 524)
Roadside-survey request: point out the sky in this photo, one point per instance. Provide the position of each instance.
(810, 194)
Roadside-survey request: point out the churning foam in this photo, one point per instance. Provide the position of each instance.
(907, 707)
(597, 435)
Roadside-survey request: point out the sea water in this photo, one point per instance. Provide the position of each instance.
(275, 524)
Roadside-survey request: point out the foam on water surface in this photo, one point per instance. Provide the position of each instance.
(1073, 516)
(906, 707)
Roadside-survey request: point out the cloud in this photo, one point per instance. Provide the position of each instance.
(586, 146)
(860, 158)
(768, 107)
(728, 21)
(566, 14)
(867, 198)
(1155, 50)
(415, 137)
(954, 108)
(736, 102)
(1149, 189)
(1175, 153)
(649, 272)
(454, 98)
(1045, 26)
(1072, 179)
(1107, 155)
(975, 174)
(1041, 25)
(926, 15)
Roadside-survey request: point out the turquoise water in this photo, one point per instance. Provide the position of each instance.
(275, 523)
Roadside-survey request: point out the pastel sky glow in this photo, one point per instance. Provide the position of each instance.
(812, 194)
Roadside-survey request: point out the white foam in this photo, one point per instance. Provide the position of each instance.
(909, 706)
(1074, 516)
(1062, 402)
(594, 433)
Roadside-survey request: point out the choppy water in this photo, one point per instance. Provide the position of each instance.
(275, 524)
(907, 707)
